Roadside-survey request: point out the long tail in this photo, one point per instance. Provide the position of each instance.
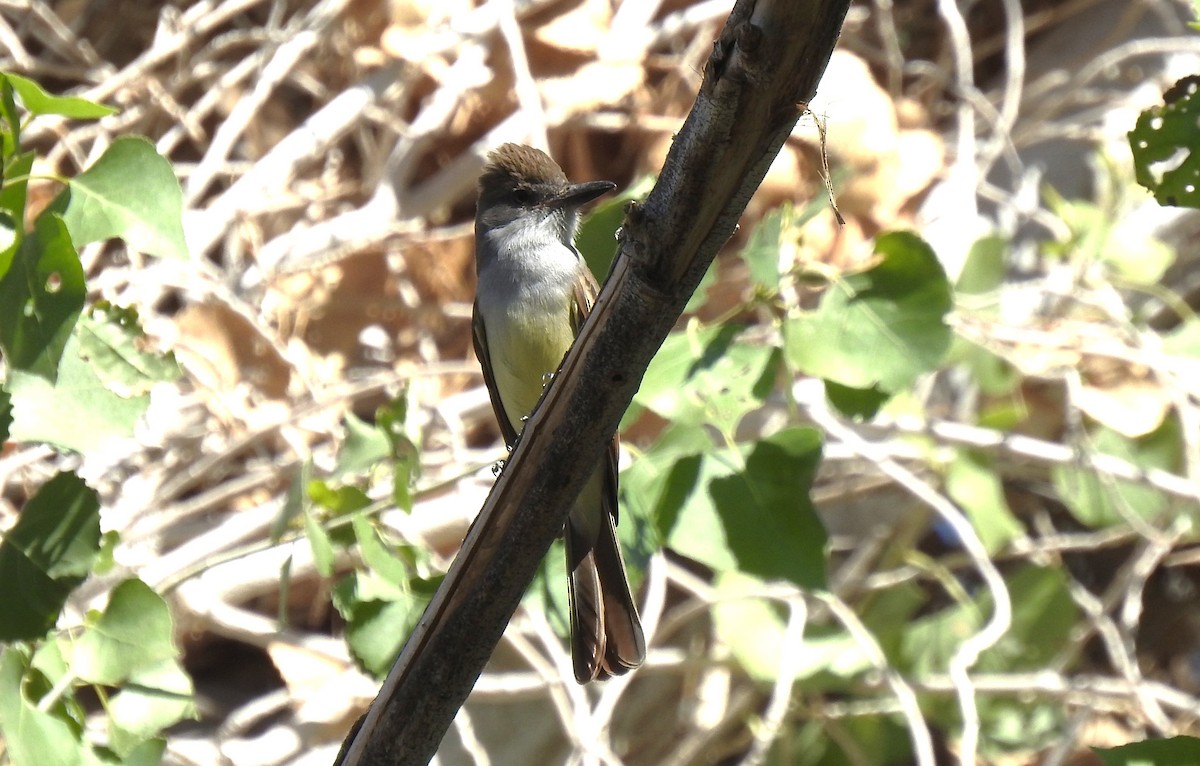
(606, 634)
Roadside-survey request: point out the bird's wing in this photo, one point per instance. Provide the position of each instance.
(586, 291)
(479, 336)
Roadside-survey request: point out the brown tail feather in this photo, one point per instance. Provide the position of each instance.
(606, 634)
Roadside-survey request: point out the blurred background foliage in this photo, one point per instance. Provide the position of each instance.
(915, 486)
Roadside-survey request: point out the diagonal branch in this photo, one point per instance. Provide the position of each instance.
(764, 67)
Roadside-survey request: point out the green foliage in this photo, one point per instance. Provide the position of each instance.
(972, 481)
(76, 384)
(77, 411)
(128, 645)
(1098, 233)
(1099, 502)
(879, 329)
(46, 555)
(706, 375)
(381, 602)
(77, 379)
(752, 628)
(41, 297)
(1166, 146)
(130, 192)
(1174, 751)
(984, 269)
(31, 735)
(38, 102)
(132, 634)
(110, 339)
(382, 599)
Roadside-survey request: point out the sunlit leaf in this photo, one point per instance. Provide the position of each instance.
(39, 102)
(41, 297)
(1166, 150)
(111, 339)
(879, 328)
(706, 375)
(76, 412)
(132, 636)
(33, 736)
(974, 484)
(130, 192)
(1098, 501)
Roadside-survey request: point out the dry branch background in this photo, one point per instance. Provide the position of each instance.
(327, 152)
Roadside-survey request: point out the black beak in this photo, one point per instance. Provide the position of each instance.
(578, 195)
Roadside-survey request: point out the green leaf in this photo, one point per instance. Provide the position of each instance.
(597, 238)
(365, 448)
(1175, 751)
(376, 555)
(46, 555)
(973, 482)
(704, 375)
(857, 403)
(1043, 618)
(1099, 501)
(39, 102)
(152, 698)
(756, 515)
(130, 192)
(761, 252)
(752, 628)
(660, 482)
(132, 636)
(1166, 146)
(76, 412)
(377, 629)
(1184, 340)
(13, 193)
(768, 518)
(402, 436)
(5, 415)
(339, 501)
(10, 240)
(148, 753)
(108, 546)
(1136, 256)
(994, 375)
(41, 297)
(880, 328)
(1044, 615)
(293, 502)
(322, 546)
(32, 736)
(827, 661)
(984, 269)
(111, 339)
(930, 641)
(10, 127)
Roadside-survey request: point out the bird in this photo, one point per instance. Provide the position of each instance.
(534, 292)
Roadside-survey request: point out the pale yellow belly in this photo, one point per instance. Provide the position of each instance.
(526, 348)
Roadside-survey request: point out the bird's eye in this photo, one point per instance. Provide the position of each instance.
(523, 196)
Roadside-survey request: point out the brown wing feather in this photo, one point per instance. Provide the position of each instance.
(586, 291)
(606, 633)
(479, 337)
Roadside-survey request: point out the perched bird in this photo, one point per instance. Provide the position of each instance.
(534, 292)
